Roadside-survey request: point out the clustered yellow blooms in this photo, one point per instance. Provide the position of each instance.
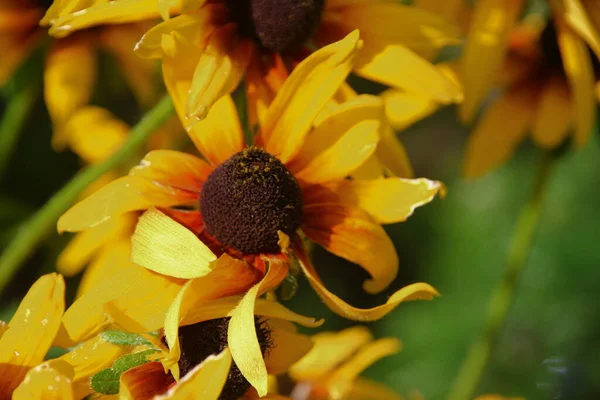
(187, 252)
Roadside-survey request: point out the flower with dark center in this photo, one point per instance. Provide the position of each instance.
(198, 341)
(277, 25)
(249, 198)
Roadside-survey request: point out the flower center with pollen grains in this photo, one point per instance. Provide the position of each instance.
(198, 341)
(249, 198)
(277, 25)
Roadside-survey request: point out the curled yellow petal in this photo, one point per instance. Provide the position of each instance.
(164, 246)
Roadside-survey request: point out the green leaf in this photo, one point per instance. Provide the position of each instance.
(107, 380)
(123, 338)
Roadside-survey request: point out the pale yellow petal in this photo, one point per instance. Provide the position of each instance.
(554, 115)
(46, 382)
(485, 49)
(310, 86)
(171, 330)
(365, 357)
(501, 128)
(580, 19)
(164, 246)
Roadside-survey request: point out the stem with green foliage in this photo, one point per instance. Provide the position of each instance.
(480, 352)
(42, 223)
(14, 118)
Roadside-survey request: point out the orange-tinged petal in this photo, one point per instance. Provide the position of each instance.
(415, 291)
(139, 297)
(391, 153)
(144, 382)
(485, 49)
(87, 243)
(330, 350)
(31, 330)
(310, 86)
(164, 246)
(404, 109)
(501, 128)
(15, 49)
(219, 135)
(389, 200)
(69, 79)
(349, 232)
(554, 115)
(129, 193)
(46, 382)
(578, 68)
(289, 346)
(205, 381)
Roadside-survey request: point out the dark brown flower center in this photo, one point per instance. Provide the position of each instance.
(249, 198)
(203, 339)
(550, 48)
(277, 25)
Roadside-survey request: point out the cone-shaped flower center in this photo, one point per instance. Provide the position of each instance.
(200, 340)
(277, 25)
(249, 198)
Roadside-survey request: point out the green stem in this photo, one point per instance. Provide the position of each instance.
(11, 126)
(43, 222)
(479, 354)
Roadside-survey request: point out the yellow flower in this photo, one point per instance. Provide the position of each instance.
(331, 369)
(207, 47)
(294, 177)
(546, 72)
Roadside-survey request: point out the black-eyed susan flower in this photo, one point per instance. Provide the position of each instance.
(331, 369)
(547, 74)
(243, 201)
(208, 46)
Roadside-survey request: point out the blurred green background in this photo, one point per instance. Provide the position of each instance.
(550, 347)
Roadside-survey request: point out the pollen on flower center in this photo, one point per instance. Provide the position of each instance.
(249, 198)
(277, 25)
(198, 341)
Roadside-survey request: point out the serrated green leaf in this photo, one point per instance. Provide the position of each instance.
(107, 380)
(123, 338)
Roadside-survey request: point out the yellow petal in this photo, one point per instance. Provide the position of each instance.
(330, 350)
(485, 49)
(349, 232)
(102, 13)
(205, 381)
(219, 135)
(46, 382)
(31, 330)
(164, 246)
(580, 19)
(171, 330)
(310, 86)
(554, 114)
(86, 244)
(578, 68)
(397, 66)
(501, 128)
(94, 134)
(289, 346)
(391, 153)
(219, 71)
(370, 390)
(143, 382)
(404, 109)
(365, 357)
(129, 193)
(91, 357)
(69, 79)
(389, 200)
(138, 297)
(416, 291)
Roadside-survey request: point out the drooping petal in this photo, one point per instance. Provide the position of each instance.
(31, 330)
(330, 350)
(485, 49)
(162, 245)
(310, 86)
(554, 115)
(349, 232)
(501, 128)
(48, 381)
(389, 200)
(171, 330)
(403, 108)
(69, 79)
(129, 193)
(289, 346)
(144, 382)
(415, 291)
(205, 381)
(578, 68)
